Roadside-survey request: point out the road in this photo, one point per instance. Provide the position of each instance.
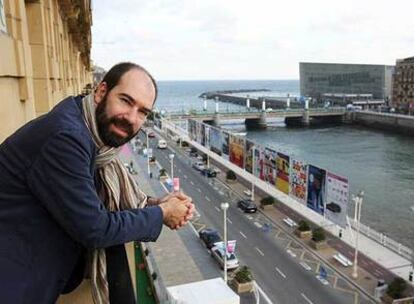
(278, 273)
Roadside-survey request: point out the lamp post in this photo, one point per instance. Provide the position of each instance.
(148, 156)
(357, 218)
(253, 171)
(224, 207)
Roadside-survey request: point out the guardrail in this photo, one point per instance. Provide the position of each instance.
(384, 240)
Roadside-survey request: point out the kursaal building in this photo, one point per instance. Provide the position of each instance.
(345, 81)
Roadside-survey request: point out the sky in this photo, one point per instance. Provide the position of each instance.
(256, 39)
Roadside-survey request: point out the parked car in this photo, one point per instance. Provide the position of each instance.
(217, 252)
(209, 172)
(162, 144)
(151, 134)
(198, 166)
(247, 206)
(209, 236)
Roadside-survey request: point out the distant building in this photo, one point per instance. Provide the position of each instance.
(98, 74)
(317, 80)
(403, 85)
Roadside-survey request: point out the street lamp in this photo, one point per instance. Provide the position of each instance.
(357, 218)
(253, 171)
(224, 207)
(148, 154)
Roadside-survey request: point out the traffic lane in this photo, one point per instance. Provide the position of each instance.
(310, 286)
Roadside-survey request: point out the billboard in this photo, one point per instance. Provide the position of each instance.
(298, 181)
(337, 195)
(270, 165)
(215, 140)
(236, 155)
(316, 189)
(198, 132)
(207, 136)
(226, 145)
(203, 134)
(192, 129)
(259, 162)
(249, 156)
(282, 172)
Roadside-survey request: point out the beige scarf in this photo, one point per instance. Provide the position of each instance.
(121, 192)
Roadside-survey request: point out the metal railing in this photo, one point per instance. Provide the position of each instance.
(384, 240)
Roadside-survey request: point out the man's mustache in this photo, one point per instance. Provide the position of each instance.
(123, 124)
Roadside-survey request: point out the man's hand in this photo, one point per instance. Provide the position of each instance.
(176, 212)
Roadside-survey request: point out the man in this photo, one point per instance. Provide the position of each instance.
(57, 172)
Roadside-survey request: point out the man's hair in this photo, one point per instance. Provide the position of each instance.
(113, 76)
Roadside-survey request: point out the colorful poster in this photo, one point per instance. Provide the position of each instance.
(259, 160)
(249, 156)
(316, 189)
(337, 195)
(215, 140)
(207, 136)
(203, 134)
(270, 165)
(226, 145)
(192, 129)
(282, 172)
(237, 150)
(298, 181)
(198, 132)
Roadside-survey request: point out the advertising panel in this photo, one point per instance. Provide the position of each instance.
(249, 156)
(207, 136)
(259, 166)
(226, 145)
(192, 129)
(203, 134)
(215, 140)
(198, 132)
(337, 195)
(282, 173)
(270, 165)
(298, 181)
(316, 189)
(237, 150)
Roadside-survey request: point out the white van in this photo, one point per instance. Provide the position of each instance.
(162, 144)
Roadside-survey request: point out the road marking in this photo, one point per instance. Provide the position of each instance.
(191, 183)
(306, 266)
(218, 210)
(228, 220)
(262, 254)
(199, 190)
(262, 293)
(281, 273)
(179, 170)
(185, 176)
(243, 235)
(221, 193)
(208, 198)
(291, 253)
(306, 298)
(322, 280)
(258, 225)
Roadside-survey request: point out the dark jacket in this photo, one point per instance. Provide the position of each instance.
(49, 208)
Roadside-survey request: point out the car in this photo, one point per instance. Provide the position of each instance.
(151, 134)
(193, 154)
(198, 166)
(335, 208)
(247, 206)
(209, 172)
(217, 252)
(162, 144)
(209, 237)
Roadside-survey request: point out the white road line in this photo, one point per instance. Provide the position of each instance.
(261, 253)
(306, 266)
(292, 254)
(228, 220)
(258, 224)
(199, 190)
(208, 198)
(218, 210)
(179, 170)
(262, 293)
(306, 298)
(243, 234)
(185, 176)
(191, 183)
(280, 272)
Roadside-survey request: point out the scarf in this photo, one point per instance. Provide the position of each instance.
(119, 190)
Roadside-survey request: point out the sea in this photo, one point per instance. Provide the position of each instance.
(377, 162)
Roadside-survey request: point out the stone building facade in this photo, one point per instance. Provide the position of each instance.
(45, 56)
(403, 86)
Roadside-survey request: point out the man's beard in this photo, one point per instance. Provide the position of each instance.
(103, 122)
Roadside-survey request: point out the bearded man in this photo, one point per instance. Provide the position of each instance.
(63, 191)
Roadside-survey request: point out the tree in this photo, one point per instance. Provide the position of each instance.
(244, 275)
(268, 200)
(303, 226)
(318, 234)
(396, 288)
(231, 175)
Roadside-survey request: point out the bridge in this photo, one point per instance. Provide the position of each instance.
(258, 119)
